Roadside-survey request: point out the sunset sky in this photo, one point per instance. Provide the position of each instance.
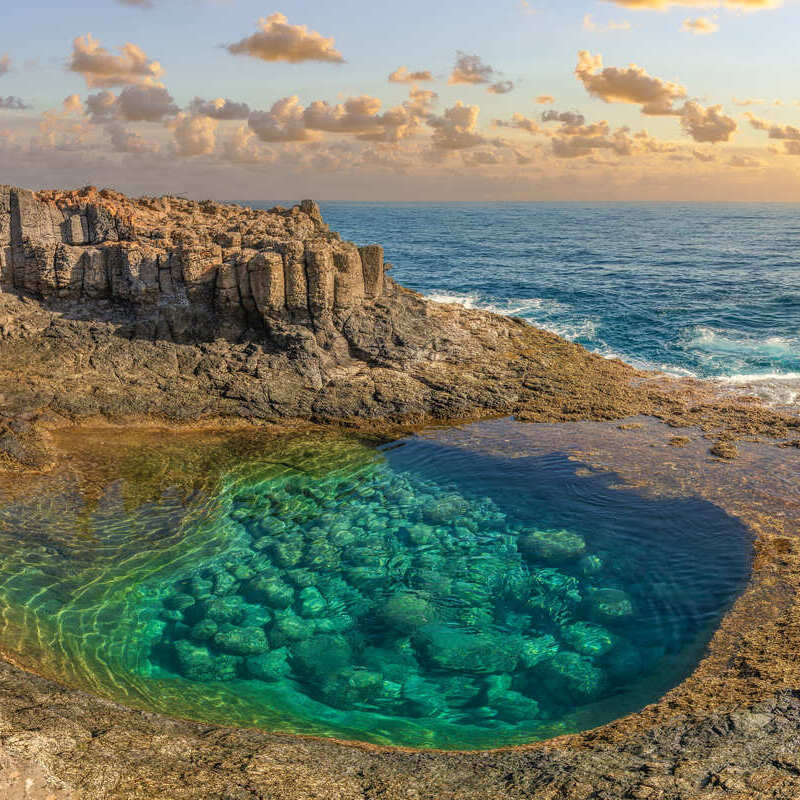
(362, 100)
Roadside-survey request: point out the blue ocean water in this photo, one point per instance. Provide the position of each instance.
(706, 290)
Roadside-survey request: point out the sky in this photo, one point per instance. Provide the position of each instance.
(362, 100)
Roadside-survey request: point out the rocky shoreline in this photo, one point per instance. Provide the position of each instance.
(162, 311)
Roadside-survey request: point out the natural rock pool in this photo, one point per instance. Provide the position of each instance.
(414, 593)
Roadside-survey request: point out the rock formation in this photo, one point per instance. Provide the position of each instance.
(193, 264)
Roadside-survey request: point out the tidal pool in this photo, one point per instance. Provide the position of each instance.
(414, 594)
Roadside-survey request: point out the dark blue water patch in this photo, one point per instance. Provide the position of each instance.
(699, 289)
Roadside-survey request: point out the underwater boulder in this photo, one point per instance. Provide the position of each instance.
(311, 603)
(270, 666)
(286, 553)
(553, 547)
(449, 648)
(179, 602)
(588, 639)
(423, 697)
(573, 677)
(444, 510)
(288, 627)
(350, 687)
(219, 609)
(204, 630)
(609, 605)
(269, 591)
(591, 565)
(407, 611)
(197, 663)
(255, 616)
(536, 650)
(321, 656)
(241, 641)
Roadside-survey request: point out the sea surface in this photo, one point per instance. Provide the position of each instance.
(704, 290)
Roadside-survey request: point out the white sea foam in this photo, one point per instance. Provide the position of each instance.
(774, 388)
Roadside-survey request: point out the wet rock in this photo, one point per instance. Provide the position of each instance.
(554, 547)
(463, 651)
(220, 609)
(321, 656)
(536, 650)
(204, 630)
(609, 605)
(270, 591)
(311, 603)
(406, 612)
(197, 663)
(288, 627)
(242, 641)
(272, 666)
(573, 676)
(588, 639)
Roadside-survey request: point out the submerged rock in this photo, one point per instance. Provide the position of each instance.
(554, 547)
(463, 651)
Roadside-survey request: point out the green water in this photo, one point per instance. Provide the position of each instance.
(415, 595)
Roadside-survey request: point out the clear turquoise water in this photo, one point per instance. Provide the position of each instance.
(416, 594)
(705, 290)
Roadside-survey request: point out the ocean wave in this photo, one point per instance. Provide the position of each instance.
(724, 343)
(535, 309)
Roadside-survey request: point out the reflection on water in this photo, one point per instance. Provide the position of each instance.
(417, 594)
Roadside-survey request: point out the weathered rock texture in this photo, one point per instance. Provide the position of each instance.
(215, 268)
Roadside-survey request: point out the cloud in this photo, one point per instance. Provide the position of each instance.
(5, 64)
(284, 122)
(101, 106)
(628, 85)
(102, 69)
(279, 41)
(456, 128)
(195, 136)
(581, 141)
(145, 104)
(665, 5)
(570, 118)
(136, 3)
(706, 158)
(243, 147)
(220, 108)
(545, 99)
(774, 131)
(700, 26)
(12, 104)
(402, 75)
(519, 122)
(72, 104)
(501, 87)
(744, 162)
(526, 7)
(134, 104)
(707, 124)
(788, 134)
(124, 140)
(289, 121)
(470, 69)
(590, 25)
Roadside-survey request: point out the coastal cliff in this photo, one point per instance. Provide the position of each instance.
(169, 310)
(165, 308)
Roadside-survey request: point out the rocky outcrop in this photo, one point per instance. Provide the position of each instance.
(213, 267)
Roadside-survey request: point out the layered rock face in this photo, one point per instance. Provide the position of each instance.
(220, 265)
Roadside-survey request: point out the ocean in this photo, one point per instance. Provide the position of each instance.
(704, 290)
